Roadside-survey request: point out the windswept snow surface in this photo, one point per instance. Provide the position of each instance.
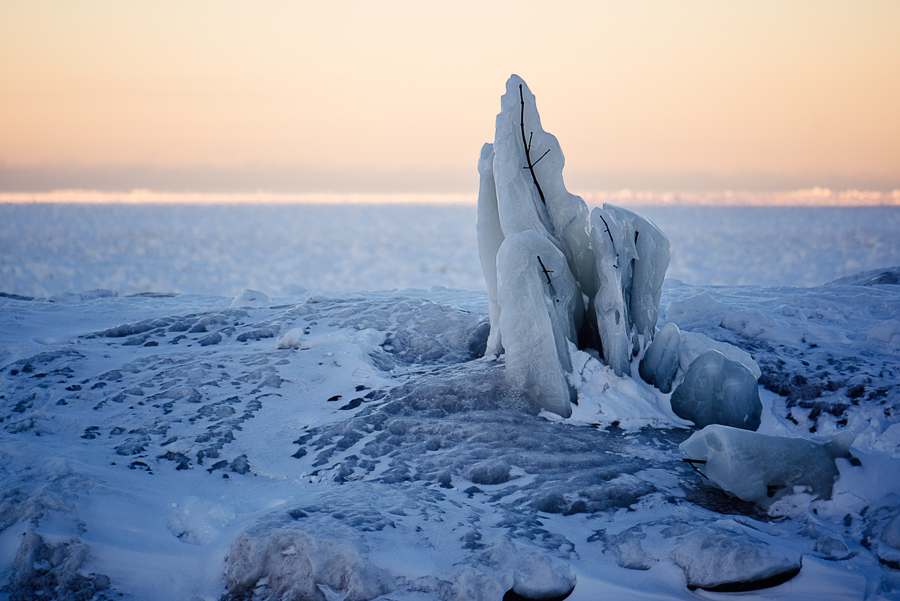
(353, 446)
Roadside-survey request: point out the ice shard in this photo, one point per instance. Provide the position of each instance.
(660, 362)
(490, 237)
(539, 304)
(608, 305)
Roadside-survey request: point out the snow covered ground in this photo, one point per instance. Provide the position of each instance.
(336, 444)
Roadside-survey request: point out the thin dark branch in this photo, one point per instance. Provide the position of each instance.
(542, 156)
(609, 233)
(544, 269)
(527, 146)
(693, 462)
(530, 137)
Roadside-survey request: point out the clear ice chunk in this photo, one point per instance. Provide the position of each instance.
(660, 362)
(761, 468)
(717, 390)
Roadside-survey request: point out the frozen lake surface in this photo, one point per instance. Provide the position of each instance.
(47, 249)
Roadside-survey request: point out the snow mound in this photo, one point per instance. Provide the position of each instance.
(292, 339)
(727, 556)
(876, 277)
(887, 332)
(250, 298)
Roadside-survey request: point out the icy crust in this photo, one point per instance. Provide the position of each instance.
(413, 465)
(46, 572)
(285, 563)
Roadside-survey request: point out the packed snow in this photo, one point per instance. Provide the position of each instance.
(293, 438)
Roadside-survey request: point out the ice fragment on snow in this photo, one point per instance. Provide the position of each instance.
(716, 390)
(753, 466)
(748, 323)
(292, 339)
(660, 362)
(891, 532)
(490, 472)
(731, 562)
(887, 332)
(694, 344)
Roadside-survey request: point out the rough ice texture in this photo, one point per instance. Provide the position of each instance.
(289, 564)
(660, 363)
(537, 319)
(45, 572)
(609, 303)
(760, 468)
(648, 265)
(716, 390)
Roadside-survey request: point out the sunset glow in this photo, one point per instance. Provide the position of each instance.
(360, 97)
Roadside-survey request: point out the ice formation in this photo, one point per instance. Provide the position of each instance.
(717, 390)
(761, 468)
(660, 362)
(538, 316)
(544, 257)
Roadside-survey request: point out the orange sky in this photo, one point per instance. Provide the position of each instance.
(398, 96)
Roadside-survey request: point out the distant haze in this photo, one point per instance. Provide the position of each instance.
(285, 96)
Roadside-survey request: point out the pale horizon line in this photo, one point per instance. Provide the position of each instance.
(811, 197)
